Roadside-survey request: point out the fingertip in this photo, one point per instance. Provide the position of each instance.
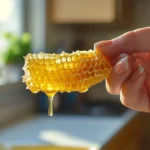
(122, 66)
(102, 44)
(138, 75)
(131, 89)
(122, 70)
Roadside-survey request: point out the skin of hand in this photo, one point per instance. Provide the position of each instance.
(130, 56)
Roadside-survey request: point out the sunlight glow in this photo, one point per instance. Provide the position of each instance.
(6, 7)
(64, 139)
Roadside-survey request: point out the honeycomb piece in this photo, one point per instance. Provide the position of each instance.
(52, 73)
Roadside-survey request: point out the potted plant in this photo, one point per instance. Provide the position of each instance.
(17, 47)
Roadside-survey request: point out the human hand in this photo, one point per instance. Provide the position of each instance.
(130, 56)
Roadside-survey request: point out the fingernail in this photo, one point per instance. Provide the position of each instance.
(122, 66)
(138, 72)
(141, 69)
(123, 55)
(102, 44)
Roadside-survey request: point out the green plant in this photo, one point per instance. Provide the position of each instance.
(18, 46)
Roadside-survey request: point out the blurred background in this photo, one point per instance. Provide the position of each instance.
(53, 26)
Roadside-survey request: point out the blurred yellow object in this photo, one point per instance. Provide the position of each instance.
(46, 148)
(52, 73)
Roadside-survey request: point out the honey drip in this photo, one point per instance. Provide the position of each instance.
(50, 108)
(50, 103)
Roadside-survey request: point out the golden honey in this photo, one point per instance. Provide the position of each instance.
(65, 72)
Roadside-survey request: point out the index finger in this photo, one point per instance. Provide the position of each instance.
(131, 42)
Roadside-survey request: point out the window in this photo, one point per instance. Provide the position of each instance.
(10, 15)
(11, 20)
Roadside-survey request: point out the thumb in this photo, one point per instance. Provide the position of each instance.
(131, 42)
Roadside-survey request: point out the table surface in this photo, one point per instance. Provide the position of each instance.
(65, 130)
